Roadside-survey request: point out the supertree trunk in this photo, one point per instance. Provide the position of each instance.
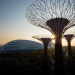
(45, 57)
(69, 48)
(59, 66)
(45, 68)
(46, 41)
(69, 37)
(57, 29)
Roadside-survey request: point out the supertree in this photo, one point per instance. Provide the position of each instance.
(69, 37)
(55, 16)
(45, 39)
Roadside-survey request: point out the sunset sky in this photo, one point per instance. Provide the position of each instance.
(13, 22)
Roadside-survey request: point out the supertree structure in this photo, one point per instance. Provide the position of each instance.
(45, 39)
(55, 16)
(69, 37)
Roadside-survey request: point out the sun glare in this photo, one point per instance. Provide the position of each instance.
(53, 36)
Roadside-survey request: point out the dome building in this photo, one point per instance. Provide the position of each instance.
(22, 45)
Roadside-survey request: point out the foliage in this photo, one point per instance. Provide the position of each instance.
(29, 63)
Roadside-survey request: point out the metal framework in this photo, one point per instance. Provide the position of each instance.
(70, 62)
(69, 31)
(56, 16)
(45, 39)
(40, 11)
(69, 37)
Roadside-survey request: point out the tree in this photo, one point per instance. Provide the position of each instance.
(45, 39)
(69, 37)
(55, 16)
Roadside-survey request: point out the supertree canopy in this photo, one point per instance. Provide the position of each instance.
(40, 11)
(70, 30)
(55, 16)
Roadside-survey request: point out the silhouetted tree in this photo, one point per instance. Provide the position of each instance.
(55, 16)
(69, 37)
(45, 39)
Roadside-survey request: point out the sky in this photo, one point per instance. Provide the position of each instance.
(14, 25)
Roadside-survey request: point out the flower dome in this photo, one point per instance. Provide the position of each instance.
(23, 45)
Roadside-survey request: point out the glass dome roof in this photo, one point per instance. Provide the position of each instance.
(21, 45)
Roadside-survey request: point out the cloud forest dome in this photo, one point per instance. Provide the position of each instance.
(21, 45)
(40, 11)
(16, 45)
